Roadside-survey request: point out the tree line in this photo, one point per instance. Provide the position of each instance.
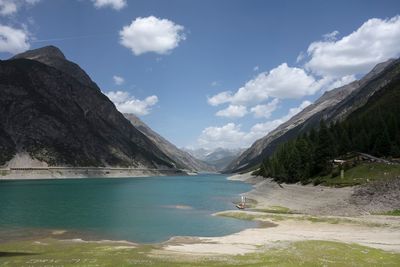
(374, 129)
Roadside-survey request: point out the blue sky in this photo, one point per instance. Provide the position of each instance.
(208, 48)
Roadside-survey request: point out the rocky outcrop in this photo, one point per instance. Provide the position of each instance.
(51, 110)
(332, 105)
(182, 158)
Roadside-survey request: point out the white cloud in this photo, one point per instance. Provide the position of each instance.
(300, 57)
(233, 111)
(375, 41)
(118, 80)
(227, 136)
(7, 7)
(330, 36)
(114, 4)
(341, 81)
(256, 68)
(13, 40)
(265, 110)
(151, 34)
(262, 129)
(10, 7)
(281, 82)
(126, 103)
(220, 98)
(231, 135)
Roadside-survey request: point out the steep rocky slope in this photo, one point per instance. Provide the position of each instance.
(332, 105)
(182, 158)
(51, 110)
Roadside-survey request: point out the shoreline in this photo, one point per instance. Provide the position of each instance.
(83, 173)
(349, 226)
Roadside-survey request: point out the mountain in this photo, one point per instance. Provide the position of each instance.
(53, 112)
(219, 158)
(182, 158)
(370, 131)
(332, 105)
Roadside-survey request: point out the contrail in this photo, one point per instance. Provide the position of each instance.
(69, 38)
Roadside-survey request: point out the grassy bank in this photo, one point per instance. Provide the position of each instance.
(306, 253)
(360, 174)
(391, 213)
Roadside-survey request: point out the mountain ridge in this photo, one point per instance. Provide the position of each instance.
(63, 119)
(323, 107)
(184, 159)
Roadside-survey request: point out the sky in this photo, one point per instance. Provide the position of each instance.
(208, 74)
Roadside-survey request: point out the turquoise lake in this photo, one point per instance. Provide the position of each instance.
(144, 210)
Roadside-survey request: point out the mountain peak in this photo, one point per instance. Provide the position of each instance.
(43, 52)
(53, 57)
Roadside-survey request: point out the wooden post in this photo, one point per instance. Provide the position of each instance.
(342, 174)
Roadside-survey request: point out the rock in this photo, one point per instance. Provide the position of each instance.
(52, 110)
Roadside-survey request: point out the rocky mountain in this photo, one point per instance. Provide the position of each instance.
(332, 105)
(182, 158)
(219, 158)
(52, 111)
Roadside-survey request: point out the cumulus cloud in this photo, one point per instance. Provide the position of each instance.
(281, 82)
(227, 136)
(10, 7)
(220, 98)
(265, 110)
(127, 103)
(118, 80)
(151, 34)
(231, 135)
(375, 41)
(262, 129)
(13, 40)
(233, 111)
(114, 4)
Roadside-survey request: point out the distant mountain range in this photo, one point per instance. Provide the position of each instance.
(182, 158)
(333, 105)
(54, 114)
(218, 158)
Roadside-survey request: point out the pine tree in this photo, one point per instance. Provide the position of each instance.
(382, 145)
(324, 150)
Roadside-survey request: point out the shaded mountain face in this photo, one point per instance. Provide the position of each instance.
(51, 110)
(218, 158)
(333, 105)
(182, 158)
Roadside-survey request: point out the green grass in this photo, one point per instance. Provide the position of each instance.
(361, 174)
(391, 213)
(274, 209)
(304, 253)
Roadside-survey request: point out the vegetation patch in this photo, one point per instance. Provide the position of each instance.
(305, 253)
(391, 213)
(274, 209)
(361, 174)
(258, 216)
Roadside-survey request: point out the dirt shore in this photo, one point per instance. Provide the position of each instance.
(300, 213)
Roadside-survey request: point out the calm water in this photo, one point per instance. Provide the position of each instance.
(136, 209)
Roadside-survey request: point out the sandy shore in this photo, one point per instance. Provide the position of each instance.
(312, 204)
(256, 240)
(308, 199)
